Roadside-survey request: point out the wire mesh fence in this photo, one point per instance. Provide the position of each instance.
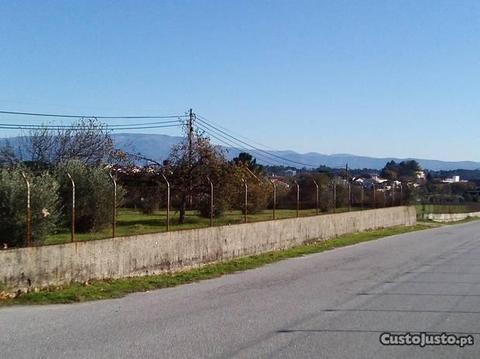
(426, 207)
(153, 205)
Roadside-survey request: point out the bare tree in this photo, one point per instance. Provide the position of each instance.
(8, 157)
(86, 140)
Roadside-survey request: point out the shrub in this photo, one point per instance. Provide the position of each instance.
(146, 196)
(220, 205)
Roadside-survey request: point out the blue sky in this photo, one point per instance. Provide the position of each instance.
(379, 78)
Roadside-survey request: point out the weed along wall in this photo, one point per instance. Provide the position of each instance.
(35, 267)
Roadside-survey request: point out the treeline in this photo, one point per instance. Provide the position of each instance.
(42, 164)
(469, 175)
(48, 161)
(51, 198)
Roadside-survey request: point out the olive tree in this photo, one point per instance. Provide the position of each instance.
(93, 195)
(13, 206)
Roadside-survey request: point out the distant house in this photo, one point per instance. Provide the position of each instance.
(377, 179)
(453, 179)
(370, 180)
(359, 181)
(373, 180)
(420, 175)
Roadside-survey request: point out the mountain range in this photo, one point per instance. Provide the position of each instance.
(157, 147)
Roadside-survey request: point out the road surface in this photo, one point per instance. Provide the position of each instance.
(334, 304)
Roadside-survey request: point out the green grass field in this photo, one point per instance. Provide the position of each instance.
(131, 222)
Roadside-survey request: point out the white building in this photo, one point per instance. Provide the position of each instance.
(453, 179)
(420, 174)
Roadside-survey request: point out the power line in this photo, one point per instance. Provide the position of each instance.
(41, 126)
(37, 114)
(228, 143)
(236, 134)
(254, 147)
(202, 120)
(258, 153)
(80, 128)
(218, 131)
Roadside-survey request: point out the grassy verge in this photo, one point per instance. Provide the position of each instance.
(105, 289)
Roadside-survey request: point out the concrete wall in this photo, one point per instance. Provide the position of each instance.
(449, 217)
(27, 268)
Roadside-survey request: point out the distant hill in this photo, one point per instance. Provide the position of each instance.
(157, 147)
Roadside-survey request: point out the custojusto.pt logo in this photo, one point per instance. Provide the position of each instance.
(424, 339)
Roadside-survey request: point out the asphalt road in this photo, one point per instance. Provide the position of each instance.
(334, 304)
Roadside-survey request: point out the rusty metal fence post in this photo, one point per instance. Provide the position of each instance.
(211, 202)
(401, 194)
(298, 196)
(114, 205)
(246, 189)
(316, 197)
(73, 208)
(245, 185)
(349, 194)
(334, 184)
(362, 196)
(274, 204)
(168, 201)
(29, 211)
(393, 194)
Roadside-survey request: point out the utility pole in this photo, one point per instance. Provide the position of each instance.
(190, 156)
(190, 133)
